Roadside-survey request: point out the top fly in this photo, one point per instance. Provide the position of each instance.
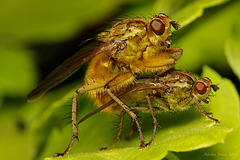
(132, 46)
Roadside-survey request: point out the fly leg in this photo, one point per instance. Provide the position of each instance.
(133, 115)
(155, 123)
(111, 83)
(203, 111)
(74, 121)
(119, 132)
(134, 127)
(162, 61)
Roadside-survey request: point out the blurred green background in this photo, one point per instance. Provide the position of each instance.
(36, 36)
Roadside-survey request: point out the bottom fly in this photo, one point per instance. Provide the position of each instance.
(171, 91)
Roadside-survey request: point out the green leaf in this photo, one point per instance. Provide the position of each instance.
(16, 66)
(35, 21)
(171, 156)
(185, 11)
(224, 106)
(13, 136)
(203, 41)
(232, 49)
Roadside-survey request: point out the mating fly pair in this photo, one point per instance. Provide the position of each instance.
(131, 48)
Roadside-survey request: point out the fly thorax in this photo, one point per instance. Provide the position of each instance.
(177, 94)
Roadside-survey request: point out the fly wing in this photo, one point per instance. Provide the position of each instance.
(143, 85)
(69, 66)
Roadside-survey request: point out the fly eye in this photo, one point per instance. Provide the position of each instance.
(157, 26)
(201, 87)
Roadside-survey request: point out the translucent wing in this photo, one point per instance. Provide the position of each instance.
(69, 66)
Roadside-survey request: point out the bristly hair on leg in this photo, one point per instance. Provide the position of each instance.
(158, 117)
(68, 118)
(81, 109)
(115, 123)
(84, 105)
(66, 109)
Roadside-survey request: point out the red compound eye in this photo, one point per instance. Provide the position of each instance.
(157, 26)
(201, 87)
